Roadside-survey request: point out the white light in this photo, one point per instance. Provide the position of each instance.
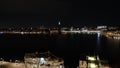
(61, 66)
(91, 58)
(59, 23)
(98, 34)
(22, 32)
(92, 65)
(42, 60)
(1, 32)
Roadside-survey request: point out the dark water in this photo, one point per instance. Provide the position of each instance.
(70, 47)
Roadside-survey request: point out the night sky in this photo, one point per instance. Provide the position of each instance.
(49, 12)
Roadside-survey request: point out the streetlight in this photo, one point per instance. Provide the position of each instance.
(10, 60)
(1, 59)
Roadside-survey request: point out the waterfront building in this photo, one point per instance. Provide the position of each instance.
(102, 27)
(112, 34)
(43, 60)
(93, 62)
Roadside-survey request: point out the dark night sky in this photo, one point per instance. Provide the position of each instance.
(49, 12)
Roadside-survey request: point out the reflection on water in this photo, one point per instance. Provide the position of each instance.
(113, 49)
(98, 47)
(70, 47)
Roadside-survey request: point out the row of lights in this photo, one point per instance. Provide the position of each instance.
(116, 38)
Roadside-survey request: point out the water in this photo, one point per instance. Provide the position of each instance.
(70, 47)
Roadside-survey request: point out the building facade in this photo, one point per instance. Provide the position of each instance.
(43, 60)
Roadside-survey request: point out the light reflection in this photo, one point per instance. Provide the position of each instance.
(98, 34)
(98, 47)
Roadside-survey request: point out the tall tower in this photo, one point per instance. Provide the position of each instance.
(59, 23)
(59, 27)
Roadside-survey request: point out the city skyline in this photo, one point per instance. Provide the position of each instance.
(84, 33)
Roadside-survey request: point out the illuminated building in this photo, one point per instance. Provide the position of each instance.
(54, 31)
(113, 34)
(102, 27)
(93, 62)
(59, 27)
(43, 60)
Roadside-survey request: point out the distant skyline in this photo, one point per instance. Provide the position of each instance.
(50, 12)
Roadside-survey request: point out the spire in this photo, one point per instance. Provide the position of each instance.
(59, 23)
